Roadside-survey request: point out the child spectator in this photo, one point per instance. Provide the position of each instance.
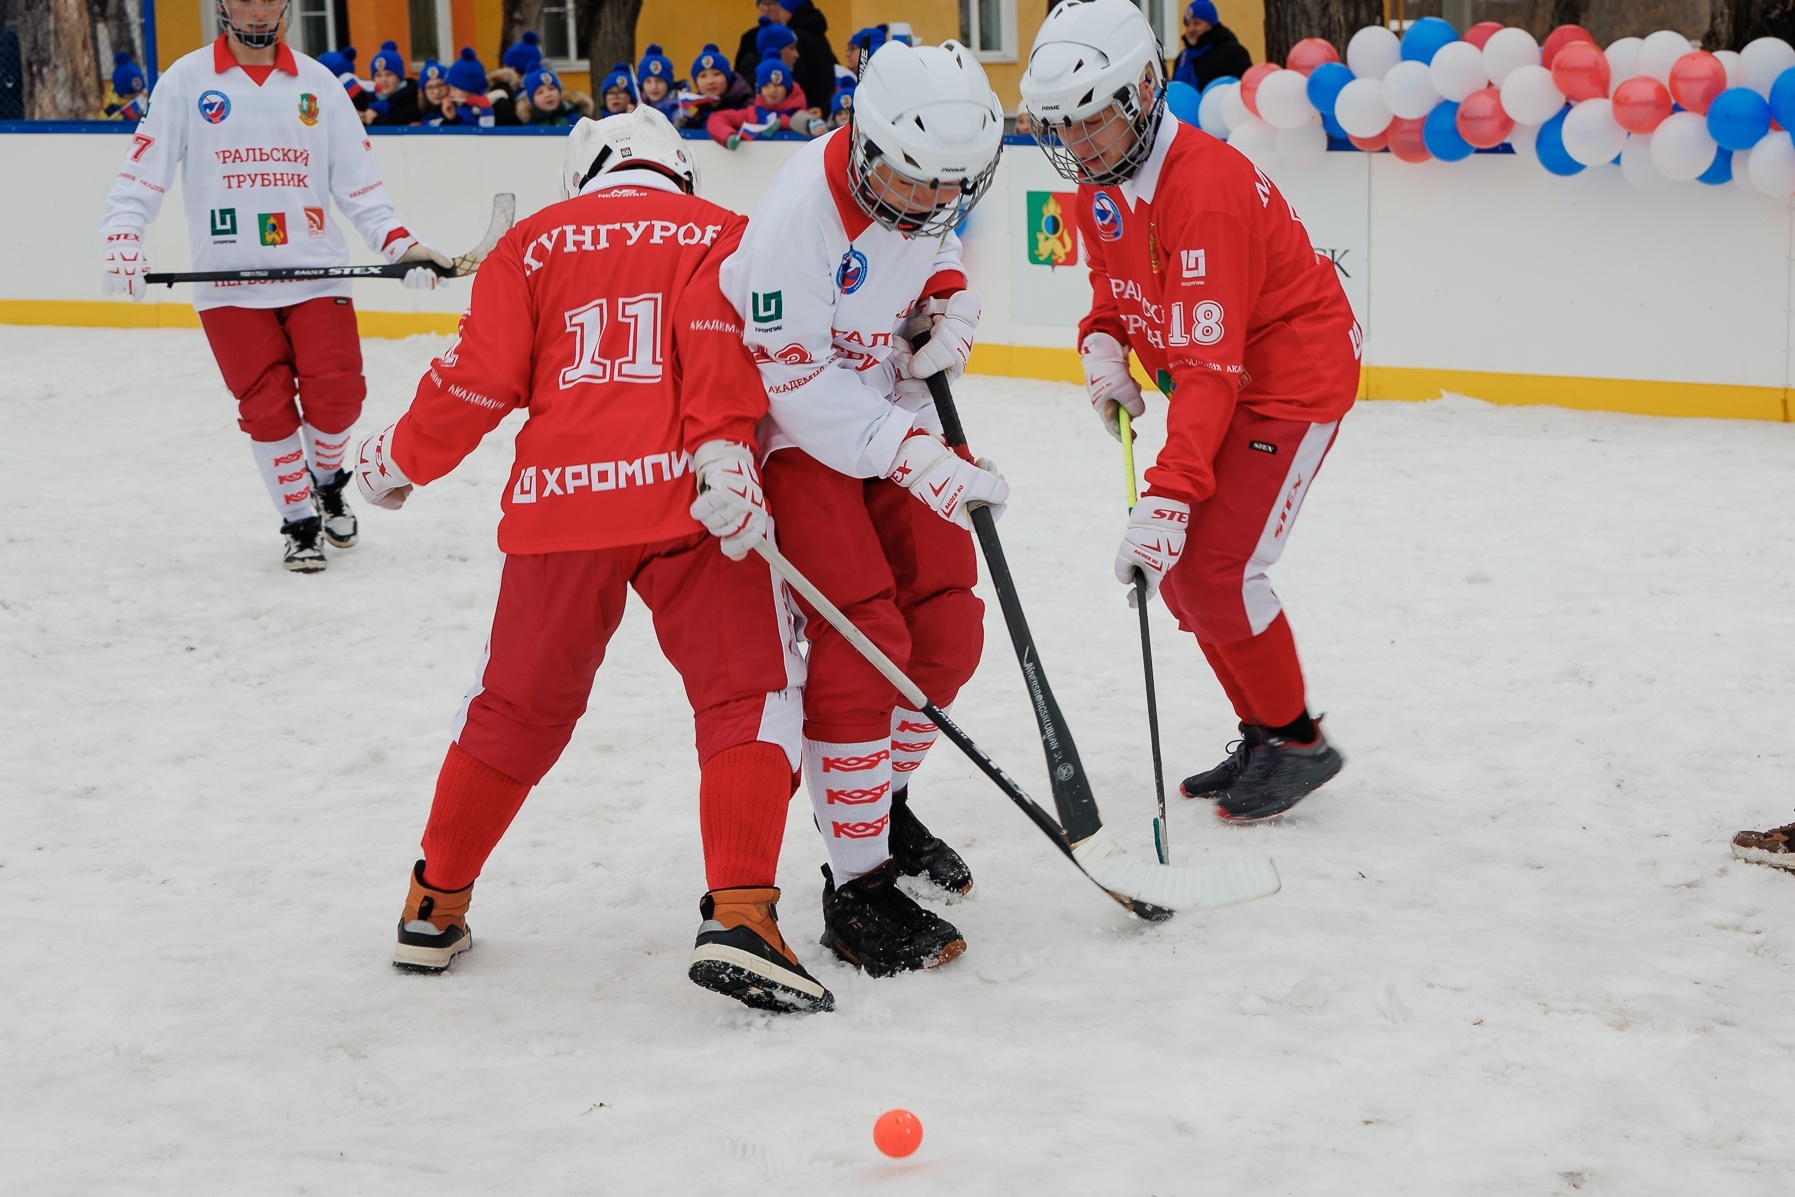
(543, 101)
(433, 77)
(395, 97)
(778, 104)
(863, 45)
(618, 92)
(654, 75)
(523, 55)
(467, 102)
(776, 38)
(841, 108)
(814, 70)
(125, 99)
(715, 88)
(341, 63)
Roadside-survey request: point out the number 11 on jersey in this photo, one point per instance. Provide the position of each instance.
(640, 362)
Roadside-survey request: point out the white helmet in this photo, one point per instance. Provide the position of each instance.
(929, 117)
(1089, 60)
(641, 139)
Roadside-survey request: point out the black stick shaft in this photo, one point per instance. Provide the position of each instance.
(282, 274)
(1159, 777)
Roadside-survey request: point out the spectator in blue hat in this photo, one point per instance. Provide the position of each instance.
(125, 97)
(396, 100)
(544, 102)
(814, 70)
(433, 81)
(341, 63)
(467, 102)
(654, 77)
(1209, 50)
(523, 55)
(715, 88)
(841, 108)
(618, 92)
(778, 104)
(863, 45)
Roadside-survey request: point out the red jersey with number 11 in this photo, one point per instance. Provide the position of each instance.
(603, 317)
(1201, 267)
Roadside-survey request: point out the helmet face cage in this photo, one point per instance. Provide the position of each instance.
(252, 40)
(1069, 147)
(895, 201)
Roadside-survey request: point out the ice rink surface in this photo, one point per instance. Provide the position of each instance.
(1512, 955)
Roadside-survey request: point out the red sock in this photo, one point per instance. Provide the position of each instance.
(474, 805)
(1267, 673)
(742, 795)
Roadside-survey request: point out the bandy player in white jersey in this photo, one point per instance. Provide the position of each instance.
(853, 239)
(267, 138)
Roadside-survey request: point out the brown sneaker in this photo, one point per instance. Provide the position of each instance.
(1774, 847)
(433, 929)
(741, 954)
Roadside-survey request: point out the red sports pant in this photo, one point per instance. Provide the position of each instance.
(902, 573)
(270, 355)
(1220, 591)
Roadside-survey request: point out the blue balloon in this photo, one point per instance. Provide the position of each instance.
(1333, 127)
(1550, 146)
(1439, 133)
(1738, 118)
(1782, 99)
(1182, 100)
(1325, 82)
(1217, 82)
(1423, 39)
(1721, 169)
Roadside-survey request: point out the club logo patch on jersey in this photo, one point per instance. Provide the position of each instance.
(851, 274)
(1107, 216)
(214, 106)
(273, 227)
(795, 355)
(314, 223)
(224, 223)
(769, 307)
(308, 109)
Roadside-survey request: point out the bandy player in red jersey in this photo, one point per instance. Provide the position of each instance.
(266, 139)
(602, 318)
(1202, 268)
(852, 239)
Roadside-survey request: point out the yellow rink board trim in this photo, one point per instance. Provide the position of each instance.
(1639, 397)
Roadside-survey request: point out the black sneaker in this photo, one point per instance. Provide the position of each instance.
(1277, 775)
(340, 526)
(1213, 783)
(877, 927)
(741, 954)
(304, 554)
(917, 853)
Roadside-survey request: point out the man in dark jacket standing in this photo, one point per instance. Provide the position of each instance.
(1210, 49)
(815, 69)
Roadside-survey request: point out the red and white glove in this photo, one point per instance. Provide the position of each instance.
(409, 249)
(729, 504)
(377, 476)
(953, 322)
(125, 266)
(1108, 382)
(1153, 543)
(947, 482)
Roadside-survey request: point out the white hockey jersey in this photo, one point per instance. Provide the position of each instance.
(822, 291)
(261, 165)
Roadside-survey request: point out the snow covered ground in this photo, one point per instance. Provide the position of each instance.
(1512, 954)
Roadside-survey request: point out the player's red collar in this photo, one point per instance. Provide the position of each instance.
(223, 60)
(835, 167)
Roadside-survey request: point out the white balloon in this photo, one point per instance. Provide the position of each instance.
(1506, 50)
(1742, 177)
(1372, 51)
(1762, 61)
(1283, 100)
(1681, 147)
(1257, 140)
(1209, 111)
(1730, 60)
(1636, 163)
(1457, 71)
(1623, 61)
(1591, 135)
(1360, 108)
(1525, 142)
(1304, 145)
(1235, 112)
(1530, 96)
(1409, 90)
(1771, 165)
(1659, 52)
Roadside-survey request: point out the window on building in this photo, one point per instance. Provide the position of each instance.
(431, 31)
(988, 29)
(1167, 19)
(563, 42)
(312, 26)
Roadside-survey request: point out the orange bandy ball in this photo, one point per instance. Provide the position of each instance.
(897, 1132)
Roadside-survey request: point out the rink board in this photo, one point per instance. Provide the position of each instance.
(1484, 277)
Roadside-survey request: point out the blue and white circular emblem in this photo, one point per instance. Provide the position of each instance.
(851, 273)
(214, 106)
(1107, 216)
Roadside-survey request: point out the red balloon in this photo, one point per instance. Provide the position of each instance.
(1559, 38)
(1695, 79)
(1482, 121)
(1642, 103)
(1310, 53)
(1249, 84)
(1371, 145)
(1581, 72)
(1480, 32)
(1405, 139)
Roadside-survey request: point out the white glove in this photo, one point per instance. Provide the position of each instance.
(419, 278)
(125, 266)
(1153, 542)
(947, 482)
(729, 504)
(953, 322)
(1108, 382)
(377, 476)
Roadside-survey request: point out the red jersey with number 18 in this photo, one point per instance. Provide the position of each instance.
(1201, 267)
(603, 317)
